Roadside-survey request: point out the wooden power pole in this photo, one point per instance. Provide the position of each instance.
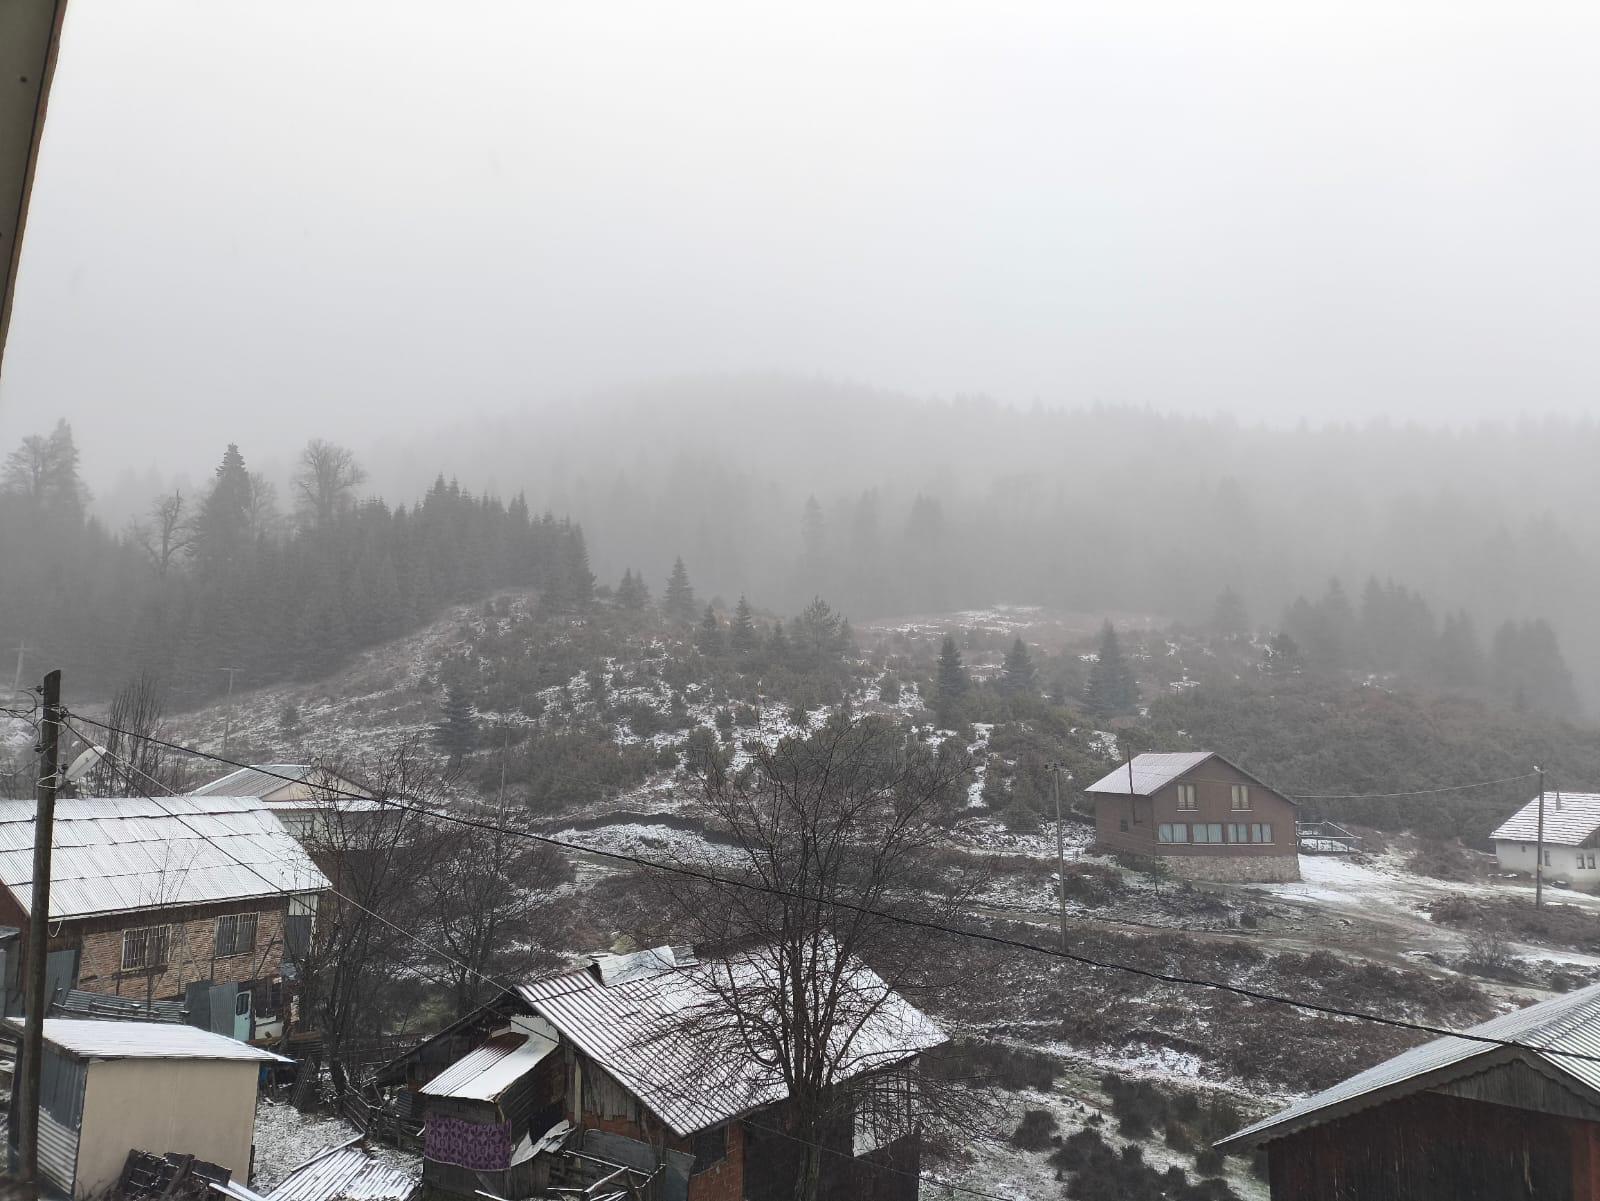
(1538, 849)
(39, 927)
(1061, 854)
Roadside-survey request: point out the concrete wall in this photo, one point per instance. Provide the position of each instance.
(1563, 862)
(197, 1107)
(1236, 869)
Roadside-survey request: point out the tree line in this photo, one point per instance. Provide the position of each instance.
(225, 579)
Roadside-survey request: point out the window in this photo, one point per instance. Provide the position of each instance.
(710, 1147)
(1208, 831)
(236, 934)
(1261, 832)
(1123, 825)
(145, 947)
(1238, 832)
(1591, 860)
(1175, 832)
(1547, 858)
(1186, 798)
(1241, 798)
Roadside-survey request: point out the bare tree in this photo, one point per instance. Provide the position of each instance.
(135, 763)
(261, 506)
(488, 900)
(362, 945)
(164, 534)
(834, 831)
(325, 482)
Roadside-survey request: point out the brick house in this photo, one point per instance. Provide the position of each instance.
(152, 897)
(601, 1064)
(1206, 818)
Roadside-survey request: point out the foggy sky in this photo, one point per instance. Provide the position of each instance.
(263, 221)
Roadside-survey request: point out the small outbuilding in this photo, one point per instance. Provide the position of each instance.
(1454, 1119)
(1571, 838)
(111, 1087)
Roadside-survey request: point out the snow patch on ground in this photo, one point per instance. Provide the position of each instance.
(285, 1138)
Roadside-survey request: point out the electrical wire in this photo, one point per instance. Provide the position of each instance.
(493, 983)
(898, 918)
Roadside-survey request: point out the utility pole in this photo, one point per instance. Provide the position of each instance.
(1538, 849)
(39, 926)
(1061, 853)
(16, 680)
(227, 722)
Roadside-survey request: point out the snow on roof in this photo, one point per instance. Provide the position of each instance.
(1151, 772)
(348, 1172)
(116, 855)
(485, 1073)
(1565, 1023)
(264, 779)
(659, 1036)
(1569, 819)
(255, 781)
(147, 1040)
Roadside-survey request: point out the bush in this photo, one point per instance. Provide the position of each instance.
(976, 1061)
(1209, 1161)
(1036, 1131)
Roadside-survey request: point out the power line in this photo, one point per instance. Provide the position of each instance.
(898, 918)
(493, 983)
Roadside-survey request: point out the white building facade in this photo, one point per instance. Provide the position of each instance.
(1571, 839)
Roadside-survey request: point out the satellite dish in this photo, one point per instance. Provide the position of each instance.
(85, 763)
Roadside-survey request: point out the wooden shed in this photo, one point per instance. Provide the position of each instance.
(1454, 1119)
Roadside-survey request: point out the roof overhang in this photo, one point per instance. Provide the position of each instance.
(1271, 1130)
(30, 33)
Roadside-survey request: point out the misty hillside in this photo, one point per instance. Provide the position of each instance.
(923, 505)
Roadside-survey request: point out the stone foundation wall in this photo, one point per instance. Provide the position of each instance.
(1235, 869)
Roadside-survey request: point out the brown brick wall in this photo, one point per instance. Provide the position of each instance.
(725, 1182)
(191, 954)
(1213, 800)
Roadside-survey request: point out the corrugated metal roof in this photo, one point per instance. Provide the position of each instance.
(90, 1039)
(1570, 818)
(1151, 772)
(485, 1073)
(665, 1039)
(115, 855)
(1566, 1023)
(347, 1173)
(254, 781)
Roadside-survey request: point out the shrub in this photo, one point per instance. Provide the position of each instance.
(1036, 1131)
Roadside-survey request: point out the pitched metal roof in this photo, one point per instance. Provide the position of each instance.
(146, 1040)
(348, 1172)
(1151, 772)
(660, 1035)
(486, 1073)
(1565, 1023)
(1570, 818)
(254, 781)
(117, 855)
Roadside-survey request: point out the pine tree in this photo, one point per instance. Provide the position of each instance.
(678, 601)
(1282, 656)
(1112, 686)
(951, 684)
(632, 593)
(743, 639)
(456, 732)
(709, 637)
(1018, 676)
(1229, 619)
(1457, 655)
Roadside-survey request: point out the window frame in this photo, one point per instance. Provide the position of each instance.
(1188, 798)
(162, 937)
(709, 1148)
(239, 923)
(1239, 798)
(1213, 833)
(1174, 834)
(1261, 833)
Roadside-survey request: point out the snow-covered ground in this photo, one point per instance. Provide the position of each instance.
(285, 1138)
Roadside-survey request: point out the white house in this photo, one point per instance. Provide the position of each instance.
(1571, 838)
